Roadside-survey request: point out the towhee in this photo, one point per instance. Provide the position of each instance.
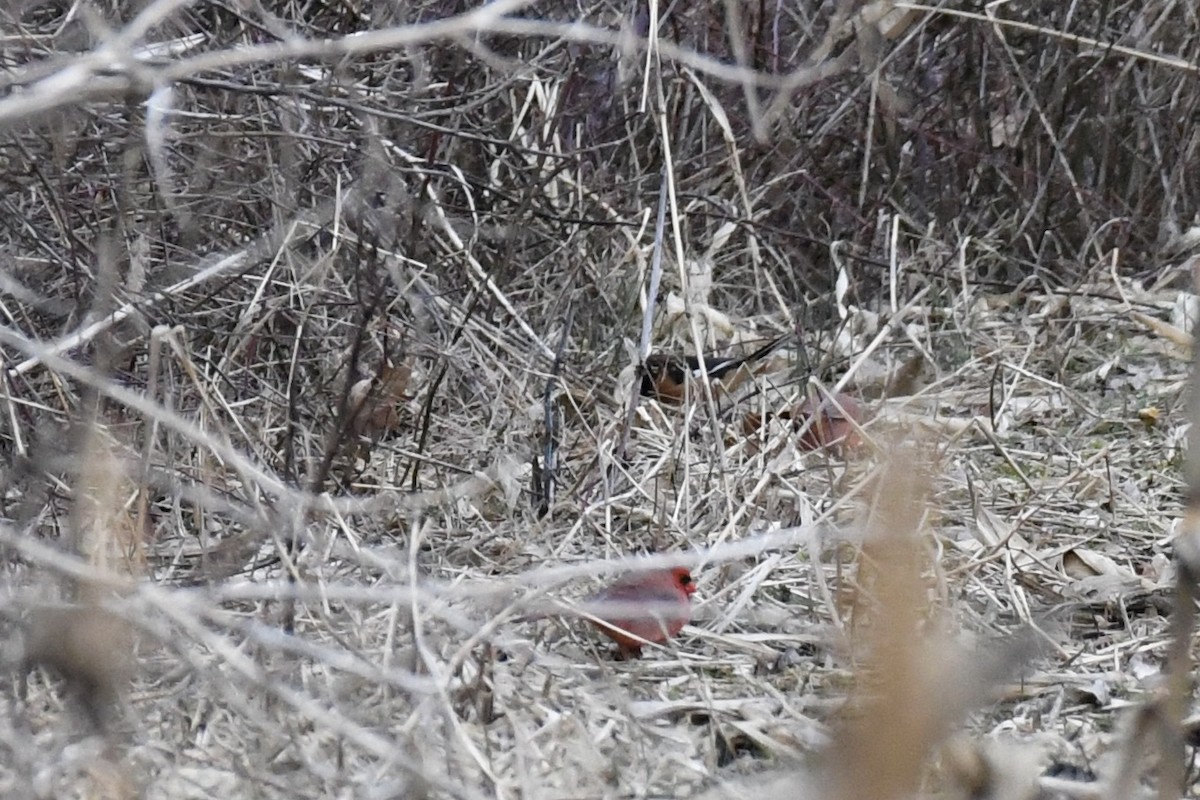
(664, 375)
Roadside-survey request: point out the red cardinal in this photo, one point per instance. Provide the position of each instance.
(653, 606)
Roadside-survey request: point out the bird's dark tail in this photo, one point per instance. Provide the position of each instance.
(726, 366)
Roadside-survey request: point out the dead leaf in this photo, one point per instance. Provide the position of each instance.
(906, 380)
(1165, 330)
(827, 423)
(374, 401)
(1079, 563)
(995, 532)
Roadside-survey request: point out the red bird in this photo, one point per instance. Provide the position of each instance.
(652, 606)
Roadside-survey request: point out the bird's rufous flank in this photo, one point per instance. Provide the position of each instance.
(665, 376)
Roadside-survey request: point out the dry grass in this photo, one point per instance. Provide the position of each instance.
(320, 354)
